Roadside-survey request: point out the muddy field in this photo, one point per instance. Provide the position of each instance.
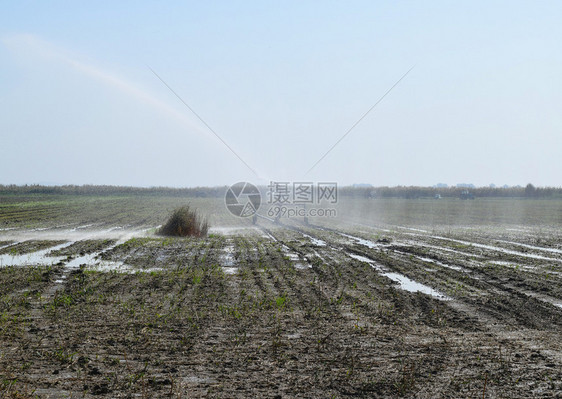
(424, 299)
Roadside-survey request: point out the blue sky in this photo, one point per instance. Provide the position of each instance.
(280, 83)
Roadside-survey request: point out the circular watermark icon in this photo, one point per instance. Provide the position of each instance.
(243, 199)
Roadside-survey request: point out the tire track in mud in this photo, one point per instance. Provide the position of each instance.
(57, 281)
(476, 243)
(367, 317)
(485, 284)
(347, 290)
(481, 274)
(317, 287)
(334, 303)
(321, 275)
(495, 315)
(402, 278)
(254, 266)
(291, 279)
(396, 250)
(468, 271)
(269, 336)
(345, 330)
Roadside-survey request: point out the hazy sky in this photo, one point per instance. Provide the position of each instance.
(281, 82)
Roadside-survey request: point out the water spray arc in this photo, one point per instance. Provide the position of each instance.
(359, 121)
(205, 123)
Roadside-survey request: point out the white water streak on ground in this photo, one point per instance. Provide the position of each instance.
(34, 258)
(405, 283)
(117, 232)
(551, 250)
(491, 247)
(120, 233)
(362, 241)
(498, 249)
(315, 241)
(227, 260)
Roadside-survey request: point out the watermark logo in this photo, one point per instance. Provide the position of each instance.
(243, 199)
(302, 193)
(301, 199)
(285, 199)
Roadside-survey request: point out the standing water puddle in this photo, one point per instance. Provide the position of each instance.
(228, 261)
(436, 262)
(230, 270)
(362, 241)
(413, 286)
(405, 283)
(93, 262)
(441, 249)
(551, 250)
(295, 258)
(34, 258)
(315, 241)
(498, 249)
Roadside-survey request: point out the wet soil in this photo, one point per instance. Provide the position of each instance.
(285, 312)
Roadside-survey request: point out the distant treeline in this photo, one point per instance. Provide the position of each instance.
(411, 192)
(113, 190)
(529, 191)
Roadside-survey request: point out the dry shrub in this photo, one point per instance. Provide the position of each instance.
(184, 222)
